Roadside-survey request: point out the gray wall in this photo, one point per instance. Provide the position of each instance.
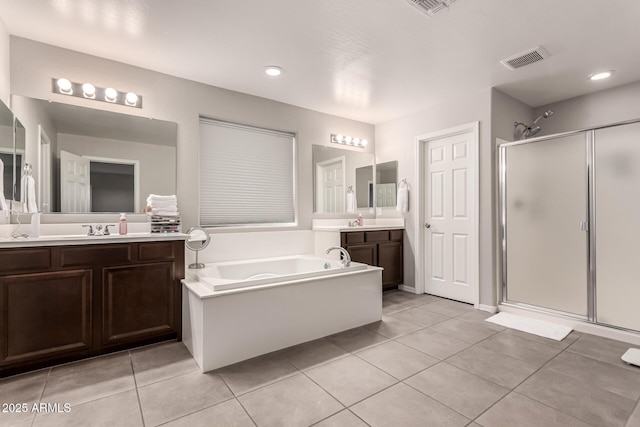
(182, 101)
(599, 108)
(395, 140)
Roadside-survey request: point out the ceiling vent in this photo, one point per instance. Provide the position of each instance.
(525, 58)
(431, 7)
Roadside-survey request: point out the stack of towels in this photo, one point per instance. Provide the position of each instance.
(163, 205)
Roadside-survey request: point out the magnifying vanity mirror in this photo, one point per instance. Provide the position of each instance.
(99, 161)
(198, 240)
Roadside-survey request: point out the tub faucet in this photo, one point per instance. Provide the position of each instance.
(346, 258)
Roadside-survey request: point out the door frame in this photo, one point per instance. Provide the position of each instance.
(421, 142)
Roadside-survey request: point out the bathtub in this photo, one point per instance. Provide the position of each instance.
(233, 311)
(242, 274)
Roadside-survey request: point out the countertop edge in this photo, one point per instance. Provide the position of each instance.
(97, 240)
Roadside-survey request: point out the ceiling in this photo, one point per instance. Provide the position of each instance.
(369, 60)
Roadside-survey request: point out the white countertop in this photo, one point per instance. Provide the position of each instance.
(80, 239)
(341, 228)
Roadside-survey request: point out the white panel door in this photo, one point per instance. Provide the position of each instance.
(331, 194)
(450, 236)
(75, 190)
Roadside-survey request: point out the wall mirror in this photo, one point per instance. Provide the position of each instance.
(6, 154)
(101, 161)
(386, 184)
(19, 147)
(339, 181)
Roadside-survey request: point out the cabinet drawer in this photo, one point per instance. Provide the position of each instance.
(396, 235)
(24, 260)
(377, 236)
(156, 251)
(353, 238)
(95, 255)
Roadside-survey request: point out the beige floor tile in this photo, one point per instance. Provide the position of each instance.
(401, 405)
(433, 343)
(22, 389)
(350, 379)
(161, 361)
(503, 370)
(296, 401)
(470, 332)
(602, 349)
(447, 308)
(225, 414)
(356, 339)
(516, 410)
(312, 354)
(603, 375)
(89, 380)
(528, 351)
(397, 359)
(579, 399)
(120, 410)
(391, 327)
(419, 317)
(345, 418)
(566, 342)
(634, 419)
(466, 393)
(258, 372)
(170, 399)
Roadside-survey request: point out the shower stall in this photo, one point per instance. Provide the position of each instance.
(570, 224)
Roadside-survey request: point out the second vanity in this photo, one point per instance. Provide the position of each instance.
(65, 298)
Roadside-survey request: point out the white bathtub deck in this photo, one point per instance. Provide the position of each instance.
(225, 327)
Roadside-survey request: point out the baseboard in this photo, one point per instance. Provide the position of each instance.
(407, 289)
(489, 308)
(632, 338)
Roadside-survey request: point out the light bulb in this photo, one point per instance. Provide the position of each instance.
(131, 99)
(65, 86)
(110, 94)
(339, 139)
(347, 140)
(356, 141)
(88, 90)
(364, 142)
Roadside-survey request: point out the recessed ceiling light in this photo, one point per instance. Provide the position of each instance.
(601, 75)
(273, 70)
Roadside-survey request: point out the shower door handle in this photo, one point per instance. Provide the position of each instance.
(584, 226)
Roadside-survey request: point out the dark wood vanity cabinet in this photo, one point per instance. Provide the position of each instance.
(63, 303)
(381, 248)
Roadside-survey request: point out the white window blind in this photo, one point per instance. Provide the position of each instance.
(247, 175)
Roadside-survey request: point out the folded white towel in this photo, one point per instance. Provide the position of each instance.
(28, 194)
(157, 197)
(402, 204)
(351, 202)
(3, 203)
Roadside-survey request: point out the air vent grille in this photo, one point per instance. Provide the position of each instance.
(431, 7)
(525, 58)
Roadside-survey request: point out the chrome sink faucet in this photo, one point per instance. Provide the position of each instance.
(353, 223)
(90, 232)
(346, 258)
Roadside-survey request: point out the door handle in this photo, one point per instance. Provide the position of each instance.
(427, 225)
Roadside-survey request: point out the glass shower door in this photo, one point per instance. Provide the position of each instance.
(617, 230)
(545, 204)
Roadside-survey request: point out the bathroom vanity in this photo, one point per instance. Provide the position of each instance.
(68, 299)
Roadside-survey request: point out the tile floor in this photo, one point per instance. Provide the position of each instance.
(429, 362)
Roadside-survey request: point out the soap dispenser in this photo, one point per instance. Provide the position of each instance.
(360, 220)
(122, 230)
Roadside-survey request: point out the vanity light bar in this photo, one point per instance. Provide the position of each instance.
(89, 91)
(348, 140)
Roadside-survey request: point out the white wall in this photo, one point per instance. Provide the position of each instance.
(395, 140)
(599, 108)
(34, 64)
(5, 81)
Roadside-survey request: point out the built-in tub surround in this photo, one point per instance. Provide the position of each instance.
(224, 327)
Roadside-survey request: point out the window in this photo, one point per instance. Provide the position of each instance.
(247, 175)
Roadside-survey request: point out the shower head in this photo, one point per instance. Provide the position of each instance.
(532, 129)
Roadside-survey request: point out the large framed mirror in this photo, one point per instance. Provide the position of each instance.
(6, 155)
(100, 161)
(339, 181)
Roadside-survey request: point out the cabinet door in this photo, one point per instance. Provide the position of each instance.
(390, 258)
(44, 315)
(139, 302)
(366, 254)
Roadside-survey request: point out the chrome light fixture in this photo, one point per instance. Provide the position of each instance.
(88, 91)
(348, 140)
